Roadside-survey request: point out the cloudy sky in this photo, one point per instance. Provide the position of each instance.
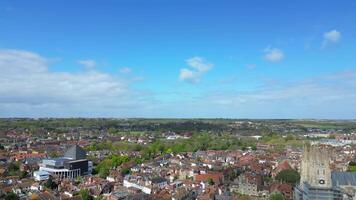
(178, 58)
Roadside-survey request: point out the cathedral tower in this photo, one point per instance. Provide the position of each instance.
(315, 166)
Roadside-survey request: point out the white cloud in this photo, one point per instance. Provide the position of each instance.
(125, 70)
(89, 64)
(273, 54)
(188, 75)
(332, 36)
(13, 61)
(27, 84)
(199, 66)
(330, 96)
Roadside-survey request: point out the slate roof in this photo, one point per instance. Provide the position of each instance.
(158, 180)
(75, 152)
(343, 178)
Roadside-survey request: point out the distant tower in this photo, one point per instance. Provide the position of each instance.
(315, 166)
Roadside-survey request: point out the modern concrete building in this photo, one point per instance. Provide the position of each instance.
(74, 163)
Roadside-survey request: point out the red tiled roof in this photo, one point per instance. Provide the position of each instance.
(217, 177)
(283, 165)
(281, 187)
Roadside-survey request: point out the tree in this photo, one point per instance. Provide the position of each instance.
(84, 193)
(14, 169)
(78, 179)
(11, 196)
(50, 184)
(254, 147)
(289, 176)
(289, 137)
(211, 181)
(126, 171)
(104, 172)
(268, 179)
(352, 166)
(103, 168)
(23, 174)
(99, 198)
(118, 160)
(276, 196)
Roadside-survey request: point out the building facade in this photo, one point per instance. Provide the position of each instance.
(316, 180)
(71, 165)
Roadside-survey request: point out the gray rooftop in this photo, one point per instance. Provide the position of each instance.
(158, 180)
(75, 152)
(343, 178)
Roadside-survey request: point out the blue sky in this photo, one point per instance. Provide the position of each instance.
(178, 58)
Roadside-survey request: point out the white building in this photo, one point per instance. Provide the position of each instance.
(41, 175)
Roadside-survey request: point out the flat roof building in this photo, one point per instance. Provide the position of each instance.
(71, 165)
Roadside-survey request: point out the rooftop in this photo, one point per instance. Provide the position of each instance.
(75, 152)
(343, 178)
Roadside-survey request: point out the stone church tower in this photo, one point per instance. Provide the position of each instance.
(315, 166)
